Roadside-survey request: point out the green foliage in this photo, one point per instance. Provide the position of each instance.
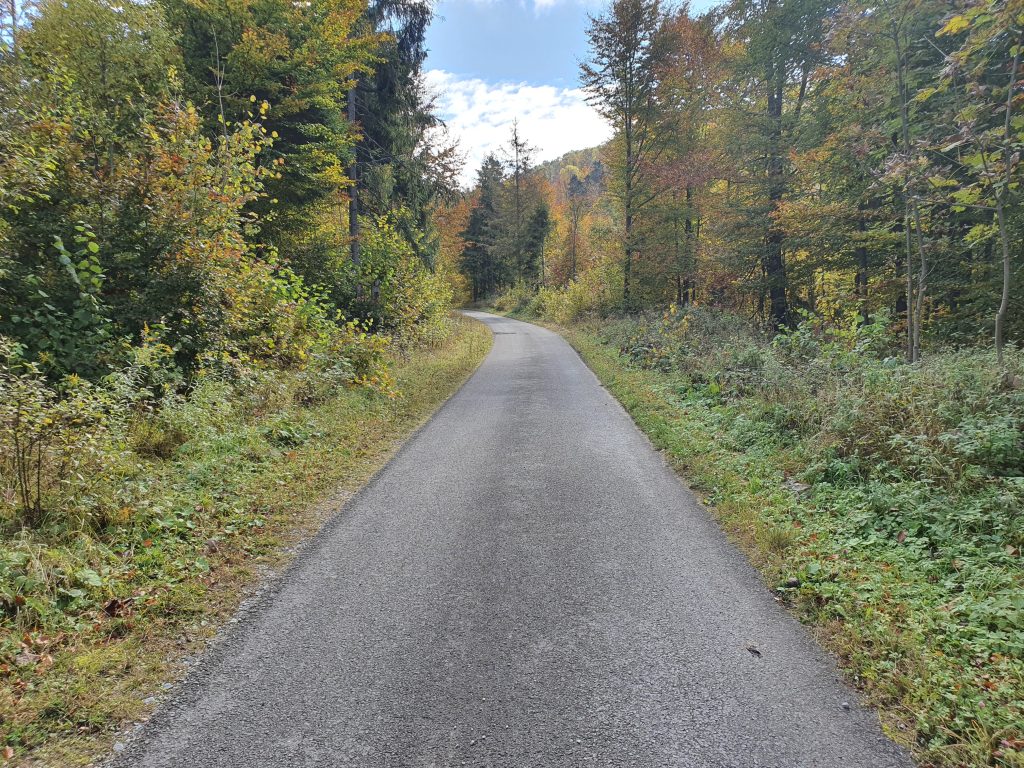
(404, 164)
(517, 299)
(406, 299)
(592, 294)
(505, 239)
(57, 446)
(479, 260)
(75, 337)
(166, 287)
(802, 155)
(97, 609)
(889, 494)
(179, 207)
(286, 63)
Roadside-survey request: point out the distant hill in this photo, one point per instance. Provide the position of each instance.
(587, 160)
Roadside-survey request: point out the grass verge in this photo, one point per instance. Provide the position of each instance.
(224, 511)
(913, 627)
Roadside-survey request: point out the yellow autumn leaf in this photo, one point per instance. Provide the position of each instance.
(956, 24)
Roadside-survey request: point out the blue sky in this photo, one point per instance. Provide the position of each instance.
(495, 61)
(510, 41)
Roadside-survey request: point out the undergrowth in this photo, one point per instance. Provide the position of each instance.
(882, 500)
(108, 589)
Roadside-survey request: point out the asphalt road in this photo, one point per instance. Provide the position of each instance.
(525, 584)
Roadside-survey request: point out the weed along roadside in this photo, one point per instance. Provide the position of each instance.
(786, 235)
(107, 616)
(912, 580)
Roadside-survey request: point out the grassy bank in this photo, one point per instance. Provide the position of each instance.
(882, 501)
(97, 622)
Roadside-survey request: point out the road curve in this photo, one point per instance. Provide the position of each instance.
(525, 584)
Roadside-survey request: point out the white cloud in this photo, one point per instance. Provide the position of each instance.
(480, 115)
(541, 5)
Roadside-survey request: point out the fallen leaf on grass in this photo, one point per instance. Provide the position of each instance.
(117, 607)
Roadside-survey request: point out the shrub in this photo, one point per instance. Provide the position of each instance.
(57, 443)
(933, 450)
(514, 298)
(66, 448)
(72, 335)
(401, 296)
(590, 293)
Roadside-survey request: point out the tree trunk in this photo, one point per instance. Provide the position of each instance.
(915, 304)
(1001, 194)
(574, 243)
(1004, 299)
(628, 266)
(353, 201)
(922, 283)
(628, 206)
(677, 260)
(772, 262)
(542, 265)
(909, 290)
(690, 246)
(519, 259)
(861, 278)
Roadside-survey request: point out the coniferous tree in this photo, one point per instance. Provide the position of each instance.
(283, 62)
(537, 229)
(404, 168)
(478, 255)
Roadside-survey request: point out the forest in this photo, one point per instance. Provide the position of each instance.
(797, 264)
(232, 236)
(781, 159)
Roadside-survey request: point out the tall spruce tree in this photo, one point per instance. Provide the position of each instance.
(479, 262)
(401, 169)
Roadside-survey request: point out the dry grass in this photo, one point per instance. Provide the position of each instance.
(68, 708)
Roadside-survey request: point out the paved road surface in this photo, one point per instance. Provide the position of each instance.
(525, 584)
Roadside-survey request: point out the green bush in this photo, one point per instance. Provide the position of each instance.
(515, 298)
(589, 294)
(68, 448)
(60, 444)
(401, 296)
(946, 432)
(884, 500)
